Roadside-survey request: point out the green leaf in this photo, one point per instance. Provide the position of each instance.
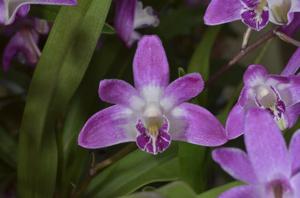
(49, 13)
(215, 192)
(134, 171)
(108, 29)
(224, 113)
(8, 149)
(84, 103)
(193, 168)
(59, 72)
(176, 189)
(201, 56)
(186, 19)
(181, 72)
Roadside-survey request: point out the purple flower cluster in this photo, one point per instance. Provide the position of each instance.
(154, 111)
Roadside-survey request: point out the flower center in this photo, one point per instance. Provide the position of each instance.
(255, 13)
(153, 131)
(268, 98)
(278, 191)
(153, 125)
(280, 188)
(280, 11)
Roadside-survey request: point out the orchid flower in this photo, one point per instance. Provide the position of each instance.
(293, 27)
(279, 95)
(269, 169)
(153, 113)
(130, 15)
(9, 9)
(25, 42)
(254, 13)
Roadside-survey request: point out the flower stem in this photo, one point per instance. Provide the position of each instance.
(246, 38)
(286, 38)
(95, 169)
(241, 54)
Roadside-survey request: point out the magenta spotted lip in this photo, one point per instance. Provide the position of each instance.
(153, 143)
(154, 112)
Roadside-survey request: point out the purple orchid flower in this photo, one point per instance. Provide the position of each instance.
(293, 27)
(254, 13)
(279, 95)
(293, 64)
(24, 42)
(9, 9)
(130, 15)
(152, 113)
(270, 169)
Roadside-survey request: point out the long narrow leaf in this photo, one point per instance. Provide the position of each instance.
(57, 76)
(133, 171)
(193, 158)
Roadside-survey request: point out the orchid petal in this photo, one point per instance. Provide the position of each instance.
(23, 42)
(295, 88)
(295, 8)
(11, 8)
(241, 192)
(2, 12)
(254, 75)
(265, 146)
(293, 64)
(41, 26)
(235, 122)
(199, 127)
(108, 127)
(219, 12)
(292, 113)
(281, 11)
(236, 163)
(294, 150)
(250, 4)
(119, 92)
(124, 19)
(296, 183)
(23, 10)
(182, 89)
(293, 27)
(150, 65)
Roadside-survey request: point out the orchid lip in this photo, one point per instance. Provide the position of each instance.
(153, 137)
(280, 188)
(255, 14)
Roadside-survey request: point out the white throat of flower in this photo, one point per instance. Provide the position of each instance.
(153, 119)
(267, 98)
(279, 11)
(144, 17)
